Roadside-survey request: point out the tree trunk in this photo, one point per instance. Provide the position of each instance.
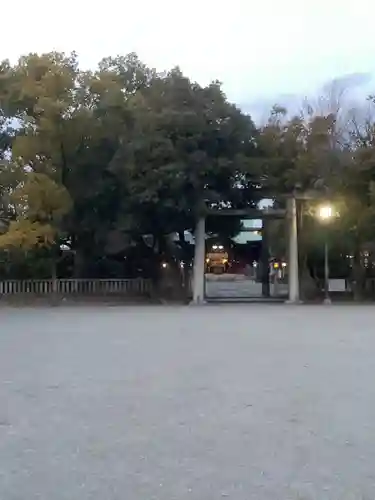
(358, 277)
(54, 296)
(185, 271)
(79, 264)
(308, 288)
(265, 262)
(168, 274)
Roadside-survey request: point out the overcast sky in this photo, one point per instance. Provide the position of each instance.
(258, 49)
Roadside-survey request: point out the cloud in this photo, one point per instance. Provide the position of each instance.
(260, 108)
(354, 87)
(352, 80)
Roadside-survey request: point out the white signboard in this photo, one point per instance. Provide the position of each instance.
(338, 285)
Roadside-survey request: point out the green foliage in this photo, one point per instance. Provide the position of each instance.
(298, 154)
(38, 206)
(40, 199)
(104, 160)
(24, 235)
(183, 150)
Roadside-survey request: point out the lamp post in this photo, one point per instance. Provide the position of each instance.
(325, 214)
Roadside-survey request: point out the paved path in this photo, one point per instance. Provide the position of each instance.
(175, 403)
(245, 288)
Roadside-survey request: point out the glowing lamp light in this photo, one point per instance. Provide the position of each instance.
(325, 212)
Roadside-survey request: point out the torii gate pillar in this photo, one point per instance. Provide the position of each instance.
(199, 262)
(294, 297)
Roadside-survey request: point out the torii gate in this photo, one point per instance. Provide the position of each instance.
(200, 251)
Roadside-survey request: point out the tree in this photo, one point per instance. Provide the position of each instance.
(118, 160)
(69, 127)
(301, 159)
(356, 189)
(184, 150)
(38, 207)
(186, 145)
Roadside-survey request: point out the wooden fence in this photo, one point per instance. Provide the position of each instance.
(81, 287)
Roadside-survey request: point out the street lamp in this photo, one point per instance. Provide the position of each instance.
(326, 214)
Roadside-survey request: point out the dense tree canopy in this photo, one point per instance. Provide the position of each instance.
(124, 157)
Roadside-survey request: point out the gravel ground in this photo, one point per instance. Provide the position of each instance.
(172, 403)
